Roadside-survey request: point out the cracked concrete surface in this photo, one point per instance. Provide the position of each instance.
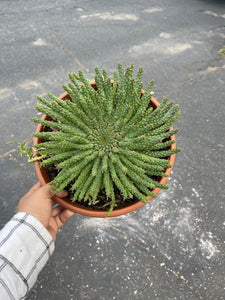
(172, 248)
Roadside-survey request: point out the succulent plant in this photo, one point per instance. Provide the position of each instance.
(107, 138)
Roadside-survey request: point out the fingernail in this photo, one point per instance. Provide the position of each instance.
(71, 213)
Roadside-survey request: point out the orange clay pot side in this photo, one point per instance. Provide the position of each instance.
(75, 207)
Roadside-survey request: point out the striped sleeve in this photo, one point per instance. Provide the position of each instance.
(25, 247)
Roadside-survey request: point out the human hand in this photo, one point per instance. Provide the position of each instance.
(38, 203)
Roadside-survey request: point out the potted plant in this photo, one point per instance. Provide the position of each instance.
(109, 143)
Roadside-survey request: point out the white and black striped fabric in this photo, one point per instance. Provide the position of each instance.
(25, 247)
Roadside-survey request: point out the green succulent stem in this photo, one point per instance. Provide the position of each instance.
(107, 138)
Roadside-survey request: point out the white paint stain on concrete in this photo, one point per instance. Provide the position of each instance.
(158, 226)
(112, 17)
(222, 35)
(211, 13)
(196, 193)
(4, 93)
(165, 35)
(198, 42)
(153, 10)
(157, 216)
(159, 47)
(177, 48)
(213, 69)
(208, 248)
(40, 42)
(183, 227)
(28, 85)
(105, 228)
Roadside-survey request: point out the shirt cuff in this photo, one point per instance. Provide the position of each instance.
(26, 246)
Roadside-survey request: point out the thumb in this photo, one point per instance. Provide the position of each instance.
(46, 191)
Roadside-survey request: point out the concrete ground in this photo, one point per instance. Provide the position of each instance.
(172, 248)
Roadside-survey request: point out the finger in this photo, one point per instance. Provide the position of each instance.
(56, 211)
(52, 231)
(33, 189)
(47, 190)
(62, 194)
(53, 202)
(62, 218)
(42, 197)
(36, 186)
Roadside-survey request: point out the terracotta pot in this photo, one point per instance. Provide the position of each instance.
(75, 207)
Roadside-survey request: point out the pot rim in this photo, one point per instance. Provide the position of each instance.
(77, 208)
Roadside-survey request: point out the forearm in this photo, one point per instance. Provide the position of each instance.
(25, 247)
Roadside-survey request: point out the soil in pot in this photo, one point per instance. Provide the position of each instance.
(101, 202)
